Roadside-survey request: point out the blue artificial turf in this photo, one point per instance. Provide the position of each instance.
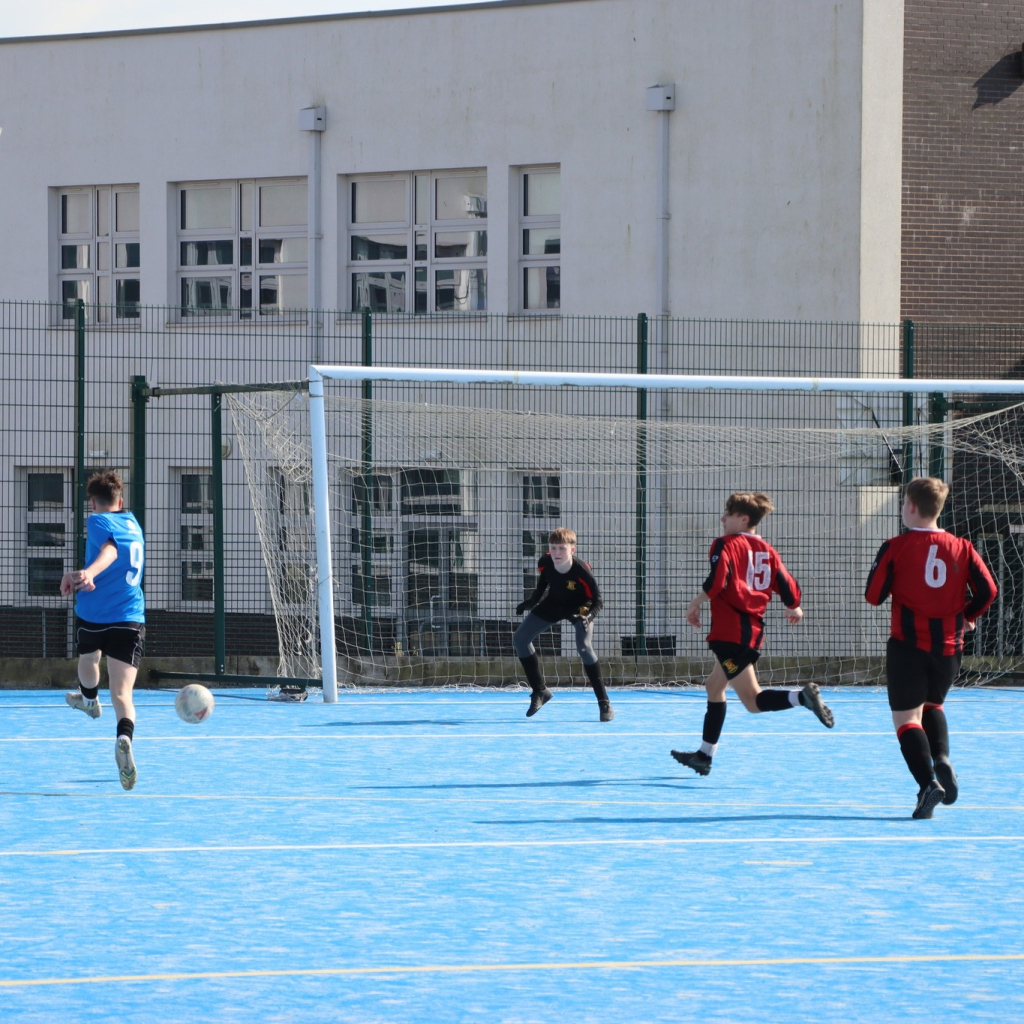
(435, 856)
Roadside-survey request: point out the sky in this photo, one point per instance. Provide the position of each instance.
(60, 17)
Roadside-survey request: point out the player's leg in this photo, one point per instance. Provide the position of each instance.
(808, 696)
(907, 684)
(714, 719)
(522, 641)
(933, 721)
(122, 681)
(86, 697)
(124, 654)
(592, 668)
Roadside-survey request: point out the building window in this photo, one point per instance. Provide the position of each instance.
(47, 532)
(542, 509)
(242, 247)
(372, 508)
(196, 536)
(98, 251)
(418, 242)
(540, 237)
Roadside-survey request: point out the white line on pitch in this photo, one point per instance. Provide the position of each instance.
(525, 734)
(478, 844)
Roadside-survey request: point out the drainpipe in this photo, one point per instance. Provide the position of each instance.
(661, 99)
(314, 121)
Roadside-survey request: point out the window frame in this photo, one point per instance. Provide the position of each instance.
(101, 242)
(526, 262)
(47, 516)
(238, 308)
(413, 228)
(537, 526)
(195, 521)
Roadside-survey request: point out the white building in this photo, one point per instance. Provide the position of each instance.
(536, 158)
(783, 154)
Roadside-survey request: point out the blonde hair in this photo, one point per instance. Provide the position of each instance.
(755, 505)
(929, 494)
(563, 535)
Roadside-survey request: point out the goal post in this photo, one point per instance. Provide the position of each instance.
(430, 502)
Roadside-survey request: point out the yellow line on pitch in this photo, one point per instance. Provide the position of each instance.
(585, 965)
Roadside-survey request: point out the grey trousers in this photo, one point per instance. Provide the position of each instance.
(533, 625)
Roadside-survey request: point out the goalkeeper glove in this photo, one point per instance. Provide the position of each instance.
(584, 616)
(523, 606)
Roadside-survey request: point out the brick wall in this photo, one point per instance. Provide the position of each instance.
(963, 162)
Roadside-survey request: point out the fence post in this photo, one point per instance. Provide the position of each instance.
(366, 505)
(79, 434)
(217, 465)
(640, 645)
(908, 398)
(140, 399)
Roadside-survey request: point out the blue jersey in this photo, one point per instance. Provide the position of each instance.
(118, 595)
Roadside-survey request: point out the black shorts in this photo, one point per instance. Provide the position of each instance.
(122, 641)
(733, 658)
(917, 677)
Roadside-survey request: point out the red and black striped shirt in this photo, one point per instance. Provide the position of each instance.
(745, 571)
(937, 582)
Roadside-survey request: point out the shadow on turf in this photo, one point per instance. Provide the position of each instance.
(660, 783)
(390, 721)
(708, 820)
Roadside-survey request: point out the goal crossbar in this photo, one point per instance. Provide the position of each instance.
(656, 381)
(693, 382)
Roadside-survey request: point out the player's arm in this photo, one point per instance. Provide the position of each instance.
(717, 580)
(879, 585)
(593, 602)
(693, 609)
(538, 590)
(982, 586)
(84, 579)
(785, 585)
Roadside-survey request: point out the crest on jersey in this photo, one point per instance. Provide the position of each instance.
(571, 585)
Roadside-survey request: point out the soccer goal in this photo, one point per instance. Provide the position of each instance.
(402, 512)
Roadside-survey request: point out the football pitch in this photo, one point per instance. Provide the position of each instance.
(435, 856)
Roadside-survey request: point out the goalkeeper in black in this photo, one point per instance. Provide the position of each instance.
(566, 589)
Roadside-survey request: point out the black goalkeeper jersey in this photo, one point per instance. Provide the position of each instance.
(561, 595)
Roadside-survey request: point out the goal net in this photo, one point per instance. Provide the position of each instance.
(441, 497)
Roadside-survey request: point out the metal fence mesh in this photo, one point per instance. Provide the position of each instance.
(69, 406)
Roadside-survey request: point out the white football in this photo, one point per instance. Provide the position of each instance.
(194, 703)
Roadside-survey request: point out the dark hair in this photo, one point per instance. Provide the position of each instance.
(105, 486)
(928, 493)
(562, 535)
(755, 505)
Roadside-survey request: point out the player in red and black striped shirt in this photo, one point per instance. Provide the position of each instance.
(939, 586)
(745, 572)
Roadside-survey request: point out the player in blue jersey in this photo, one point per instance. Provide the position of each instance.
(111, 612)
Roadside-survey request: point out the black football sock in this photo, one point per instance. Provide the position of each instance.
(531, 665)
(714, 719)
(937, 730)
(916, 752)
(89, 692)
(125, 727)
(594, 676)
(774, 700)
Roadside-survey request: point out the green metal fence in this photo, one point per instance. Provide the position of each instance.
(92, 387)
